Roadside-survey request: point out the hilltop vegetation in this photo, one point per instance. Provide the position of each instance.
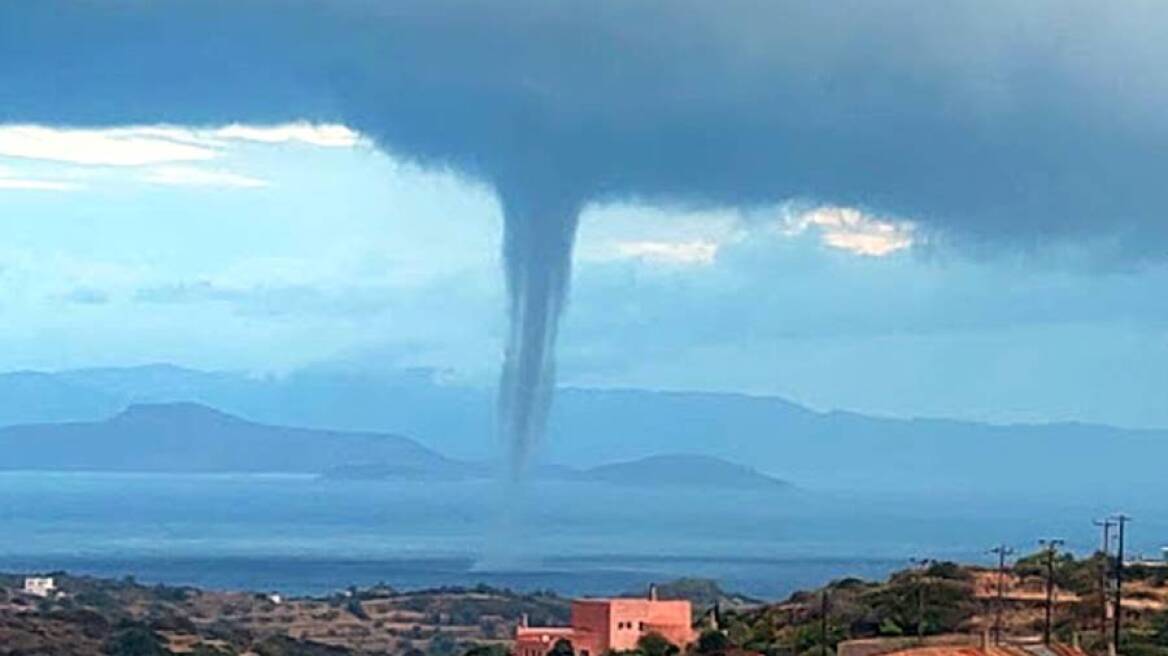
(95, 616)
(124, 617)
(704, 594)
(947, 598)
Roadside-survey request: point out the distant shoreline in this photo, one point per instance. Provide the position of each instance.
(568, 576)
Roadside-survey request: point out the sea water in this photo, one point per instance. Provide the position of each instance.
(305, 535)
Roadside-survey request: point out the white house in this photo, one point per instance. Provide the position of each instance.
(40, 586)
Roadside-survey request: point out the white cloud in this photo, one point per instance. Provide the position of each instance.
(193, 176)
(113, 147)
(148, 145)
(656, 235)
(849, 229)
(696, 252)
(323, 135)
(27, 184)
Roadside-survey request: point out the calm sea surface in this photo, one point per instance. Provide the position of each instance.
(298, 534)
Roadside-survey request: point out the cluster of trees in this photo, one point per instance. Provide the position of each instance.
(1145, 633)
(467, 606)
(651, 644)
(935, 600)
(141, 640)
(920, 602)
(1147, 638)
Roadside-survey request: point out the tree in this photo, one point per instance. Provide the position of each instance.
(563, 647)
(947, 570)
(655, 644)
(135, 641)
(487, 650)
(286, 646)
(808, 638)
(945, 602)
(712, 642)
(442, 644)
(1159, 625)
(889, 627)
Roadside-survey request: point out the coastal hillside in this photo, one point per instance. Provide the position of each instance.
(944, 603)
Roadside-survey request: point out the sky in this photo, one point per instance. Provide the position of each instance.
(270, 248)
(899, 208)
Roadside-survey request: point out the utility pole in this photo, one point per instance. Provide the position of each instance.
(1051, 547)
(1105, 570)
(923, 564)
(1120, 521)
(1001, 551)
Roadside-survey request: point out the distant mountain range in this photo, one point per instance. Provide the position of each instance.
(590, 428)
(186, 437)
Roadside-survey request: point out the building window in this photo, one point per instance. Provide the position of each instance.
(640, 626)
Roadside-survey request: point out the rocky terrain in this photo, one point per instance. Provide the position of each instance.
(92, 616)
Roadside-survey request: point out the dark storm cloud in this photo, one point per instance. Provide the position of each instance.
(985, 121)
(1006, 121)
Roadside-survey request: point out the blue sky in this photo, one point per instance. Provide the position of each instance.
(268, 248)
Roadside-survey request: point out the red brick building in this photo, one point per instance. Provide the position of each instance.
(601, 625)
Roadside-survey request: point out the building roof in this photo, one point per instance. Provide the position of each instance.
(547, 630)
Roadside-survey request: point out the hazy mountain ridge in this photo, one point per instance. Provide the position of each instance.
(32, 396)
(593, 427)
(681, 469)
(186, 437)
(663, 471)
